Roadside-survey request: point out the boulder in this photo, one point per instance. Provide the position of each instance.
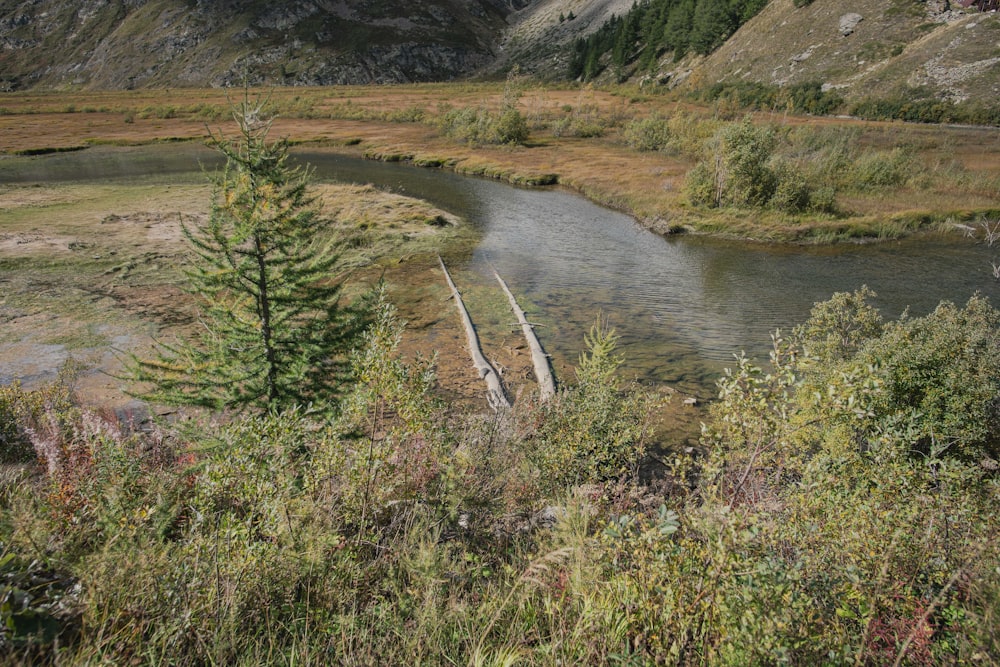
(848, 22)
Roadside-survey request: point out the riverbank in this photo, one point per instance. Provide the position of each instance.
(88, 269)
(884, 180)
(94, 268)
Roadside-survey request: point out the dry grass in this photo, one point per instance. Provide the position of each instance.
(646, 185)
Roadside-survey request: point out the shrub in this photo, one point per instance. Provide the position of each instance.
(700, 185)
(809, 97)
(648, 134)
(743, 95)
(593, 432)
(919, 106)
(26, 416)
(823, 199)
(940, 377)
(737, 165)
(843, 512)
(881, 169)
(792, 193)
(507, 128)
(480, 126)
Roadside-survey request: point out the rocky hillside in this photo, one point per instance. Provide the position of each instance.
(930, 49)
(541, 34)
(136, 43)
(861, 48)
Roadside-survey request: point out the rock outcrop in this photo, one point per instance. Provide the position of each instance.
(137, 43)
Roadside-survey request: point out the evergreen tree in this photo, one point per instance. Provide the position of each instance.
(677, 31)
(273, 333)
(654, 17)
(712, 24)
(655, 27)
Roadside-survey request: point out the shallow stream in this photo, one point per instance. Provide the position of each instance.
(682, 305)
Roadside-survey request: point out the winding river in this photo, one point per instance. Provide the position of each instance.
(682, 305)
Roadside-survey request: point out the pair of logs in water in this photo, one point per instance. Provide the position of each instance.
(495, 393)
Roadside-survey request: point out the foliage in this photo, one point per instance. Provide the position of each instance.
(842, 512)
(795, 171)
(481, 125)
(583, 121)
(810, 97)
(737, 170)
(593, 432)
(273, 331)
(24, 412)
(390, 445)
(916, 105)
(819, 533)
(289, 535)
(910, 104)
(880, 169)
(648, 134)
(657, 27)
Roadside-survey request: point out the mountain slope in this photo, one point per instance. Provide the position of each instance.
(541, 34)
(887, 48)
(908, 49)
(132, 43)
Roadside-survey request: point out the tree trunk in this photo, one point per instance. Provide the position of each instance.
(540, 360)
(495, 394)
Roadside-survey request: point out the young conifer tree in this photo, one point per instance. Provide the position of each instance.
(273, 332)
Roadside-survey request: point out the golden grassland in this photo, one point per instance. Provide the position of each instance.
(958, 167)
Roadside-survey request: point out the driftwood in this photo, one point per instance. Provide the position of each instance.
(495, 394)
(540, 360)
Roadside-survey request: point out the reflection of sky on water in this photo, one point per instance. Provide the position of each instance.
(683, 306)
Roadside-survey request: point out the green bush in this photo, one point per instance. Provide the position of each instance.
(737, 165)
(743, 95)
(700, 185)
(842, 512)
(648, 134)
(480, 126)
(940, 378)
(509, 127)
(792, 193)
(919, 106)
(881, 169)
(577, 127)
(823, 199)
(809, 97)
(592, 432)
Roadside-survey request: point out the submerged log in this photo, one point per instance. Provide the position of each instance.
(540, 360)
(495, 393)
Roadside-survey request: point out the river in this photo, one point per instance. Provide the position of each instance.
(683, 305)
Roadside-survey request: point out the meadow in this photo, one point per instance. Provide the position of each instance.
(879, 179)
(838, 507)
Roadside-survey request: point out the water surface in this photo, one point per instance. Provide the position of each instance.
(683, 305)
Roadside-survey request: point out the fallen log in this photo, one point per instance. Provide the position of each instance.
(540, 360)
(495, 393)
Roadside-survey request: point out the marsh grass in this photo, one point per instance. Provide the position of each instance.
(577, 139)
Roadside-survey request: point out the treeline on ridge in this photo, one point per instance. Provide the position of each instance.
(656, 27)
